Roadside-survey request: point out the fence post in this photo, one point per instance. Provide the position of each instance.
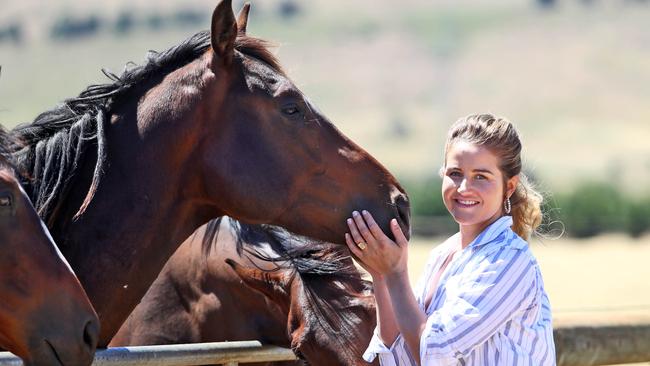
(591, 344)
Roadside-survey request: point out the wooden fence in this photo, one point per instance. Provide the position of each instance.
(576, 345)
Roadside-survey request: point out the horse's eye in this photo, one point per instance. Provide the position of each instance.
(291, 109)
(5, 201)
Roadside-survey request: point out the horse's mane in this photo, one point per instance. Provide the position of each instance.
(6, 160)
(58, 142)
(4, 143)
(314, 263)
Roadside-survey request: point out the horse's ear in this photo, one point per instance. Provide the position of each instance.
(272, 284)
(242, 18)
(223, 31)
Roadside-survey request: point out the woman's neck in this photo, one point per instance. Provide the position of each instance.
(469, 232)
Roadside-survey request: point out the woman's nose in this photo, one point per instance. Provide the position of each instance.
(462, 187)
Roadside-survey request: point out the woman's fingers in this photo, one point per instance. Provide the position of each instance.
(354, 231)
(400, 239)
(352, 245)
(376, 231)
(363, 228)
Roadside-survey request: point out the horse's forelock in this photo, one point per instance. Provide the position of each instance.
(258, 49)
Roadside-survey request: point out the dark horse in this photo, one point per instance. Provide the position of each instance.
(311, 299)
(126, 171)
(45, 316)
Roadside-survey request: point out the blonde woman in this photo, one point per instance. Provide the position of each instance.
(481, 300)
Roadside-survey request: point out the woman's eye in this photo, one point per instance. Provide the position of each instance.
(290, 110)
(455, 174)
(480, 177)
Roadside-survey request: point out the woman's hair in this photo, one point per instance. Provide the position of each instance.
(500, 137)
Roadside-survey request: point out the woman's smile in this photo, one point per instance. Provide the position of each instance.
(465, 203)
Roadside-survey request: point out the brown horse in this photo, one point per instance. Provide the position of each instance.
(314, 301)
(125, 172)
(45, 316)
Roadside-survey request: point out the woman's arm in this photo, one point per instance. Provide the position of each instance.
(387, 259)
(411, 319)
(386, 323)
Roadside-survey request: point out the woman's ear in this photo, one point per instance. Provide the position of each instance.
(511, 185)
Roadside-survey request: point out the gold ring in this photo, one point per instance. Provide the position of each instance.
(362, 245)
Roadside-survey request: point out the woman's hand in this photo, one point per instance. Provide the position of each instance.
(380, 255)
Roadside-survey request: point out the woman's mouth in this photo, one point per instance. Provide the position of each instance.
(466, 203)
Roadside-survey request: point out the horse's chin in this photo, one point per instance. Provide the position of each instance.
(42, 353)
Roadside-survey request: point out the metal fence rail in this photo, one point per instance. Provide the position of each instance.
(228, 353)
(576, 344)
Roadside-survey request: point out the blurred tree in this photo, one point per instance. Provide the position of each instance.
(125, 22)
(12, 32)
(546, 3)
(155, 21)
(190, 17)
(638, 220)
(67, 27)
(592, 208)
(288, 9)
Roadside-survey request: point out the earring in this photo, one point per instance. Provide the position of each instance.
(507, 206)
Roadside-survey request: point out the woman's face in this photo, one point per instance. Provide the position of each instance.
(472, 187)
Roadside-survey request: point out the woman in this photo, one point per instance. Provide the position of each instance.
(481, 300)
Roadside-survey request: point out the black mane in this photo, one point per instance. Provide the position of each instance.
(53, 147)
(5, 154)
(315, 263)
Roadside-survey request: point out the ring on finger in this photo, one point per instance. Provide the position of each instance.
(362, 245)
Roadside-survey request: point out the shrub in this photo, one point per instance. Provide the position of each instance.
(592, 208)
(638, 216)
(76, 27)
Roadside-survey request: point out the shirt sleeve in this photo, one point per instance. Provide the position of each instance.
(395, 355)
(389, 356)
(377, 348)
(478, 302)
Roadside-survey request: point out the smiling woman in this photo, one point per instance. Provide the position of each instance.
(481, 300)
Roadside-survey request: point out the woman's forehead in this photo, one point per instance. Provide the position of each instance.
(463, 153)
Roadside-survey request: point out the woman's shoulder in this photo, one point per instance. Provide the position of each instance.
(509, 245)
(447, 244)
(444, 247)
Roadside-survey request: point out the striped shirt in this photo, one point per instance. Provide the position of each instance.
(490, 307)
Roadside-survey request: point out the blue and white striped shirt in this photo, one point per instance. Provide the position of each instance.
(490, 307)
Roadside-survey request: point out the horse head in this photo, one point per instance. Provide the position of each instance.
(254, 147)
(329, 321)
(45, 315)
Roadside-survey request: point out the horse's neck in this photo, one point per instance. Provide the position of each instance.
(133, 224)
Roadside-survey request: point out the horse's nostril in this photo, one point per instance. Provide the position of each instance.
(403, 210)
(91, 335)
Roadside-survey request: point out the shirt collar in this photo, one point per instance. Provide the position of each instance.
(493, 231)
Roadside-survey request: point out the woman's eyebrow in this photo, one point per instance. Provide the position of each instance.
(483, 171)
